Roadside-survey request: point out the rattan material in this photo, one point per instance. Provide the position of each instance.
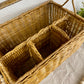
(28, 54)
(48, 40)
(16, 63)
(82, 81)
(19, 29)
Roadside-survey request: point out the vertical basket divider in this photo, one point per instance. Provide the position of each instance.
(60, 30)
(34, 52)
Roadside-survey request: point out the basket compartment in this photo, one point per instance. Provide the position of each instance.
(49, 40)
(18, 30)
(17, 62)
(30, 53)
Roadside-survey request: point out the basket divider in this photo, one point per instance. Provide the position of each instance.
(74, 7)
(34, 53)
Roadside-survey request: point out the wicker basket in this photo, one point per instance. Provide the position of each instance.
(24, 58)
(16, 63)
(22, 27)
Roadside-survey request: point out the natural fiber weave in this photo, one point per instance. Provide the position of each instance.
(16, 63)
(19, 29)
(24, 57)
(48, 40)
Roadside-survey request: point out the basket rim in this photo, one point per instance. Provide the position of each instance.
(29, 74)
(45, 3)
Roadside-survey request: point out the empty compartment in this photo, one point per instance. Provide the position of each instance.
(34, 53)
(17, 62)
(49, 40)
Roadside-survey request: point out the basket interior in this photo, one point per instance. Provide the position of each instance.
(49, 42)
(31, 52)
(16, 31)
(22, 68)
(18, 63)
(72, 25)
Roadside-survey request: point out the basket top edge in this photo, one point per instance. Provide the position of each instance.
(45, 3)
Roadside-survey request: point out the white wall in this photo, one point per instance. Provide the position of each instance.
(18, 8)
(24, 5)
(78, 4)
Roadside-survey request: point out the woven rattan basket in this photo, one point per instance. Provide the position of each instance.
(17, 63)
(22, 27)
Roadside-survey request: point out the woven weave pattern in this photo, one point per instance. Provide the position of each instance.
(25, 56)
(48, 40)
(30, 54)
(20, 29)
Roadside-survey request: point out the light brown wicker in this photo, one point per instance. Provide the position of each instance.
(26, 57)
(47, 41)
(19, 29)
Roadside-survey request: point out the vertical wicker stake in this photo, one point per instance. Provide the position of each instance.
(74, 7)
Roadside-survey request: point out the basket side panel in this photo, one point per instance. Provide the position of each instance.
(56, 12)
(74, 24)
(20, 29)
